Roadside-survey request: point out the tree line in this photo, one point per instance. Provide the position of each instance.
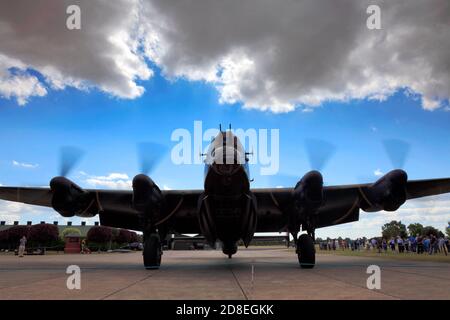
(47, 235)
(395, 229)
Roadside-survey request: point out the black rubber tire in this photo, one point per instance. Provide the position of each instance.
(152, 252)
(229, 248)
(306, 252)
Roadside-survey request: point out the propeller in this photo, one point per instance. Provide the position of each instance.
(397, 151)
(69, 157)
(150, 154)
(319, 152)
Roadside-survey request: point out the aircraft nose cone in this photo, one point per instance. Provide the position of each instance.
(227, 155)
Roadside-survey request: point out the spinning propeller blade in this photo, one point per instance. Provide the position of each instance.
(397, 151)
(319, 152)
(150, 154)
(70, 156)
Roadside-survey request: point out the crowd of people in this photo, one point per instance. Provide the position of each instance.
(415, 244)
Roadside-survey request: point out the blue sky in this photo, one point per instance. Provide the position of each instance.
(109, 129)
(135, 71)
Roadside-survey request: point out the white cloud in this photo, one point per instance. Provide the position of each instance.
(104, 53)
(18, 84)
(24, 165)
(111, 181)
(378, 173)
(268, 55)
(274, 55)
(16, 211)
(114, 176)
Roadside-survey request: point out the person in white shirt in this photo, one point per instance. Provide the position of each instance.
(442, 246)
(23, 242)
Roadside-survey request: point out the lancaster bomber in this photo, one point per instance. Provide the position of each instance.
(227, 209)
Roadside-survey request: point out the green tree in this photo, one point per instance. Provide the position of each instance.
(429, 230)
(394, 229)
(415, 229)
(67, 231)
(447, 231)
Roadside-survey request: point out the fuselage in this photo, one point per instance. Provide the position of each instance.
(226, 166)
(227, 193)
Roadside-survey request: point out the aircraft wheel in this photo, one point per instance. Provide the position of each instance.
(229, 248)
(306, 252)
(152, 252)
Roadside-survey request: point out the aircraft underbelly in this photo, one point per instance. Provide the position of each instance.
(228, 209)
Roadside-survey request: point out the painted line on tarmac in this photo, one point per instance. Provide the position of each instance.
(127, 286)
(238, 283)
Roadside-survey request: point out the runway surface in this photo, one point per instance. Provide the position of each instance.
(210, 275)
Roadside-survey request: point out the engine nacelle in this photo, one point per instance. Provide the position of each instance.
(388, 193)
(69, 199)
(147, 197)
(308, 192)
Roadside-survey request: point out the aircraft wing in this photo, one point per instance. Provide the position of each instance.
(115, 206)
(340, 204)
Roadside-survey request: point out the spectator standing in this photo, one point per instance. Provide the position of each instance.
(373, 243)
(413, 243)
(22, 244)
(407, 245)
(385, 246)
(426, 244)
(433, 244)
(392, 244)
(442, 246)
(401, 247)
(420, 245)
(379, 245)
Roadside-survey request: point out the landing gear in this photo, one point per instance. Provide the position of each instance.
(229, 248)
(152, 251)
(306, 252)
